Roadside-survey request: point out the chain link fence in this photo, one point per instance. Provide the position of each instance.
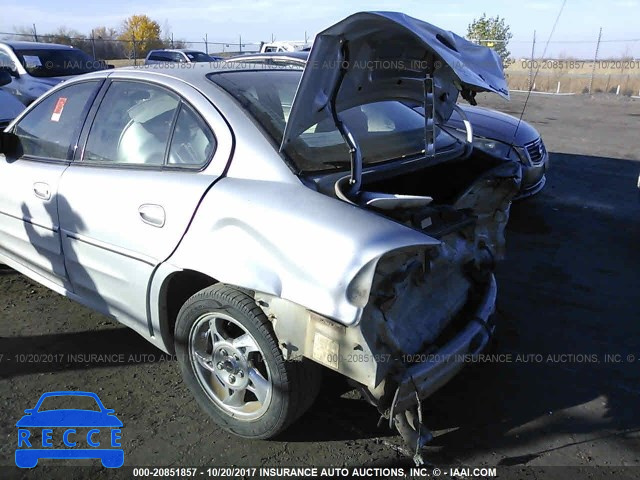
(121, 52)
(581, 66)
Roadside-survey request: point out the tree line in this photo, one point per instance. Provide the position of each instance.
(139, 33)
(136, 36)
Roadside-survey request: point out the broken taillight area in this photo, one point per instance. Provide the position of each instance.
(424, 298)
(418, 295)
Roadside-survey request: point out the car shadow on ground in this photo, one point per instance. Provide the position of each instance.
(339, 406)
(108, 347)
(6, 270)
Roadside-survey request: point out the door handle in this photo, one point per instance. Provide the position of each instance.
(42, 190)
(152, 214)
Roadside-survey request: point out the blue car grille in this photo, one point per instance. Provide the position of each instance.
(536, 151)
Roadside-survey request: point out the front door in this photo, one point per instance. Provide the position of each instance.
(29, 222)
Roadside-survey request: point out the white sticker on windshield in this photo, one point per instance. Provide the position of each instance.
(32, 61)
(57, 110)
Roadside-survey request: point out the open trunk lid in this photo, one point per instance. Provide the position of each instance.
(375, 56)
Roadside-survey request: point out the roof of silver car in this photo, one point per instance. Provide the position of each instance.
(199, 69)
(34, 45)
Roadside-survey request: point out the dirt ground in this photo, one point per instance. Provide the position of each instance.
(568, 296)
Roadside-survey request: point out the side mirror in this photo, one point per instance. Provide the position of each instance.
(5, 78)
(10, 145)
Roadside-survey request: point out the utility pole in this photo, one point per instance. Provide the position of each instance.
(93, 45)
(533, 52)
(35, 33)
(240, 44)
(135, 57)
(172, 44)
(595, 60)
(206, 44)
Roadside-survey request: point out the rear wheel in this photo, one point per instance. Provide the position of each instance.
(230, 359)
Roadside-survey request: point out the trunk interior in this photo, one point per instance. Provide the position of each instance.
(443, 182)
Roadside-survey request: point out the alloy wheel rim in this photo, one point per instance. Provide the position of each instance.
(230, 366)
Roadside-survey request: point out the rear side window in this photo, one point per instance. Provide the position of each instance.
(51, 129)
(193, 143)
(133, 125)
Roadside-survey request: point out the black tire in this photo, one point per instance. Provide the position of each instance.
(295, 384)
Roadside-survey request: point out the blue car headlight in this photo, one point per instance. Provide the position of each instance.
(499, 149)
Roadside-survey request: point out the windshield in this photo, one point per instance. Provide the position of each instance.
(57, 62)
(198, 57)
(384, 130)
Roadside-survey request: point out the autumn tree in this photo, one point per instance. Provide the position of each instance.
(491, 32)
(140, 34)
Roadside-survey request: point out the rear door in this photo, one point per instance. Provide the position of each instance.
(29, 222)
(150, 152)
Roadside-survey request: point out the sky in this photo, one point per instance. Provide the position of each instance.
(257, 20)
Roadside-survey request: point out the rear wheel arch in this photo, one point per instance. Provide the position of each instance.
(176, 289)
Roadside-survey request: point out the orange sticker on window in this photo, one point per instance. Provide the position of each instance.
(57, 111)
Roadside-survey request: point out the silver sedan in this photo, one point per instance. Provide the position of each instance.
(266, 224)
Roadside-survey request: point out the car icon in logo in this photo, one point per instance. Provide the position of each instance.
(41, 426)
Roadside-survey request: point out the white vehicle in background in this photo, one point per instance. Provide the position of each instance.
(285, 47)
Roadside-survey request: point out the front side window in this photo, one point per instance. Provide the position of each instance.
(133, 125)
(51, 129)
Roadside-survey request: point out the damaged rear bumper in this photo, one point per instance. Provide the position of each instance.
(439, 367)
